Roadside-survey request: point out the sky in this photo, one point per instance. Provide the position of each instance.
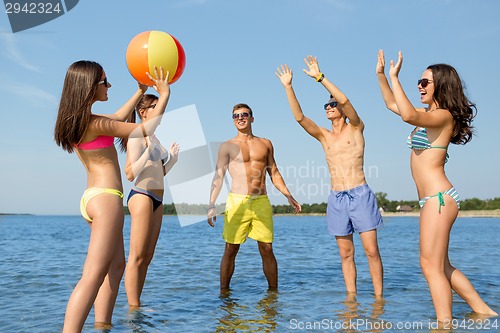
(232, 50)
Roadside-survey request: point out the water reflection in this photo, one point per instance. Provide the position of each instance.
(349, 314)
(375, 325)
(353, 318)
(243, 318)
(473, 321)
(138, 321)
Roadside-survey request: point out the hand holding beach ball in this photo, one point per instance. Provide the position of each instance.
(155, 48)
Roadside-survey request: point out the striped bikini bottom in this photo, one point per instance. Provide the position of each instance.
(451, 192)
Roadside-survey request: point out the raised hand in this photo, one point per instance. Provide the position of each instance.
(160, 81)
(285, 75)
(380, 63)
(174, 152)
(313, 67)
(394, 69)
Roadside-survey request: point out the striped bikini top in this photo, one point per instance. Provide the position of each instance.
(419, 140)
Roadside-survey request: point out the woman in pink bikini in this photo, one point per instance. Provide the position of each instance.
(446, 119)
(92, 136)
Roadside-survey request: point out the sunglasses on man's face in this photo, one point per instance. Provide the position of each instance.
(331, 104)
(105, 82)
(242, 115)
(423, 82)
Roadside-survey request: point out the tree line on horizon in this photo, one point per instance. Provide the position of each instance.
(320, 208)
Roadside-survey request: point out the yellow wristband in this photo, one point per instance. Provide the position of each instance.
(320, 77)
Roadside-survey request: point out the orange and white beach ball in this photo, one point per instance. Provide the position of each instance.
(155, 48)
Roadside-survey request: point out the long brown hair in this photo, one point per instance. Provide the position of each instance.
(145, 101)
(449, 94)
(73, 118)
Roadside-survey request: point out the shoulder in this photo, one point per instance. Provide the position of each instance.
(265, 142)
(444, 114)
(324, 130)
(327, 133)
(225, 145)
(445, 111)
(96, 117)
(230, 143)
(98, 120)
(95, 124)
(228, 146)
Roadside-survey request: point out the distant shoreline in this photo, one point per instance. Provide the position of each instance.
(464, 213)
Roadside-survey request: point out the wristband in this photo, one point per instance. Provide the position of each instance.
(320, 77)
(212, 206)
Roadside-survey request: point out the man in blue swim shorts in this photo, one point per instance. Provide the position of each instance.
(352, 206)
(248, 210)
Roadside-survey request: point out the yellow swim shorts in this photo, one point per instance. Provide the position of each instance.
(250, 215)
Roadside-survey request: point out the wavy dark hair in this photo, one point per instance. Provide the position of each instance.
(449, 94)
(145, 101)
(73, 117)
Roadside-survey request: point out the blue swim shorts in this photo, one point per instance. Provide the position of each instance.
(352, 210)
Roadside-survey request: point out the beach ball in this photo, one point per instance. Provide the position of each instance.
(155, 48)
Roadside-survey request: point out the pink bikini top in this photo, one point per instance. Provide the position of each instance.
(102, 141)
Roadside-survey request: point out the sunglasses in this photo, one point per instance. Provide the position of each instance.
(105, 82)
(331, 104)
(423, 82)
(243, 115)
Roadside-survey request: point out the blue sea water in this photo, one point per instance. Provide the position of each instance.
(41, 258)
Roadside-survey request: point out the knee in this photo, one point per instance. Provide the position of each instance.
(93, 277)
(425, 267)
(372, 253)
(138, 260)
(96, 279)
(97, 275)
(231, 250)
(346, 254)
(429, 266)
(266, 250)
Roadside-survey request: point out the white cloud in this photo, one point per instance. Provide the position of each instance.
(29, 94)
(11, 51)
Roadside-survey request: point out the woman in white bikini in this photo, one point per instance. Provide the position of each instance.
(147, 163)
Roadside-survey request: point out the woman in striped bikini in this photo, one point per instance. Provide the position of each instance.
(91, 136)
(447, 119)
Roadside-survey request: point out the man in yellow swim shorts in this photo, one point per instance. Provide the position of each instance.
(248, 210)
